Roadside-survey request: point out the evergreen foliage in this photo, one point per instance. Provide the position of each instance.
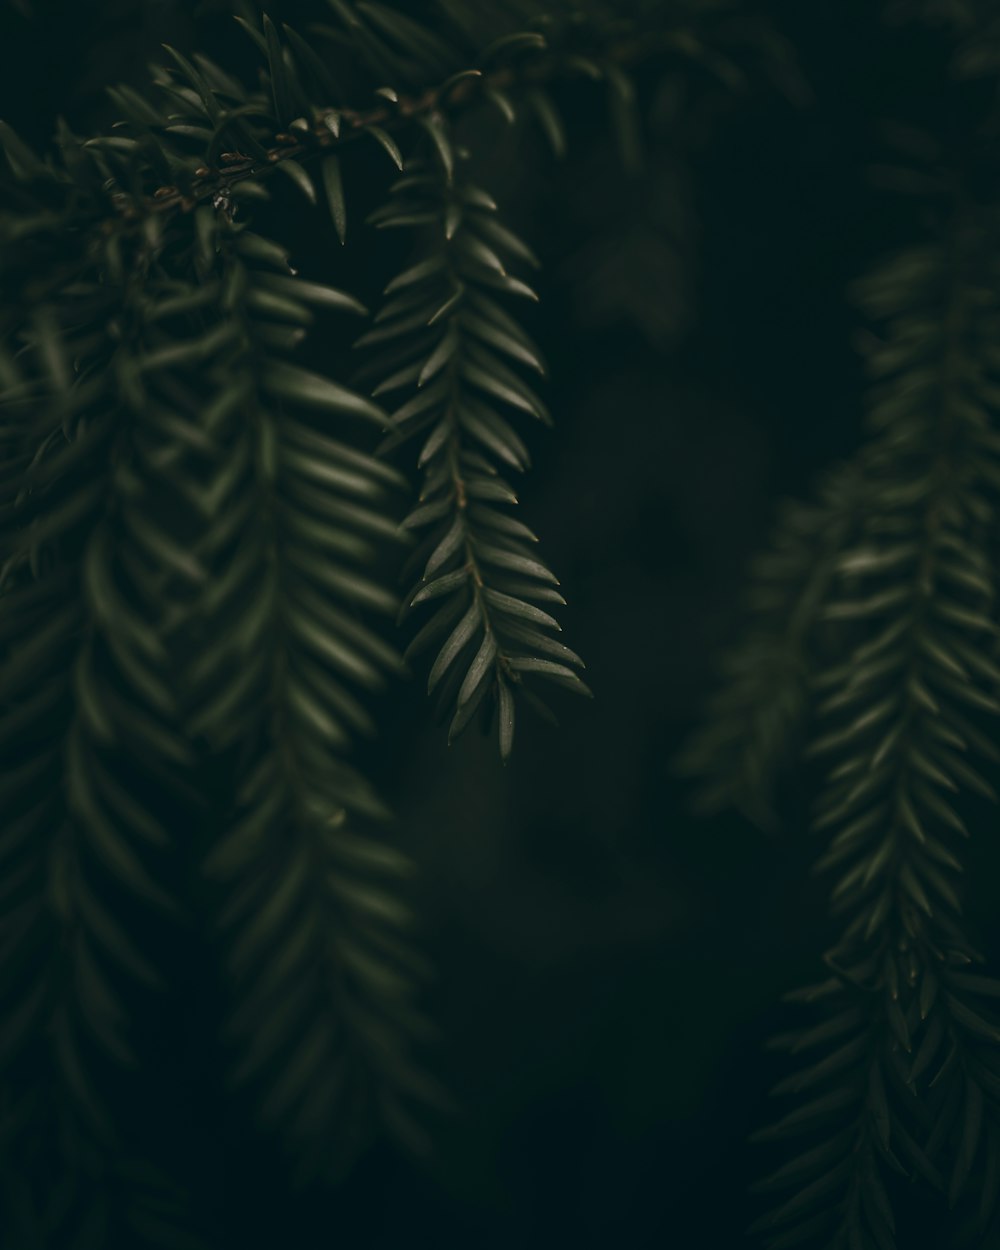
(874, 638)
(452, 343)
(218, 467)
(904, 1068)
(198, 540)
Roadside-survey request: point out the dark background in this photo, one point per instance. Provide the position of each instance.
(607, 964)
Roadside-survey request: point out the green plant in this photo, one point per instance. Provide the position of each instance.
(874, 636)
(198, 532)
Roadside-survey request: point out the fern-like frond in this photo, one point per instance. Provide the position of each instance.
(93, 751)
(449, 347)
(906, 1079)
(292, 517)
(189, 548)
(194, 533)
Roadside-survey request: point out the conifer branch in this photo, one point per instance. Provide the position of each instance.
(444, 340)
(293, 516)
(907, 1082)
(92, 750)
(298, 115)
(191, 538)
(217, 540)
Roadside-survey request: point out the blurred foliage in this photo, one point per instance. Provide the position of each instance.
(606, 964)
(196, 534)
(874, 640)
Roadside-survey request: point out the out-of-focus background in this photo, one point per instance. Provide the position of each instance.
(607, 964)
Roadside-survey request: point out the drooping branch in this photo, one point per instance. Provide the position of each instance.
(904, 1081)
(446, 341)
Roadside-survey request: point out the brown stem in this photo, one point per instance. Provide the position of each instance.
(353, 122)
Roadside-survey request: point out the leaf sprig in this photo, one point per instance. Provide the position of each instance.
(445, 340)
(295, 516)
(193, 529)
(190, 548)
(906, 1077)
